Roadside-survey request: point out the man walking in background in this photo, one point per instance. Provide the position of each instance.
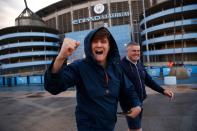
(136, 72)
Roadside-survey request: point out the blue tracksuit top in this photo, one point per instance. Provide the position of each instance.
(98, 89)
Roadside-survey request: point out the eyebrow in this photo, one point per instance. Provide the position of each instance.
(135, 50)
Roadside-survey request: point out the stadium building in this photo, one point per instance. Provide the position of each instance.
(170, 33)
(75, 18)
(26, 50)
(165, 30)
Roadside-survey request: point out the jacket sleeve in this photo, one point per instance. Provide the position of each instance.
(128, 97)
(151, 83)
(61, 81)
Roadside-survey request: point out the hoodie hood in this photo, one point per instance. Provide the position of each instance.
(113, 55)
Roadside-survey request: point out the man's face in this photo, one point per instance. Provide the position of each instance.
(100, 49)
(133, 52)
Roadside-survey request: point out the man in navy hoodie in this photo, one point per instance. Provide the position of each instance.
(98, 78)
(136, 72)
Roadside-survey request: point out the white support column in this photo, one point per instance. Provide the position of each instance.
(89, 9)
(56, 20)
(109, 9)
(146, 34)
(71, 11)
(131, 20)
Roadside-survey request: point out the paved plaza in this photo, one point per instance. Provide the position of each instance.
(40, 111)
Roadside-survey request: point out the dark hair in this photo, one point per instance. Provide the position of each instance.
(132, 44)
(100, 34)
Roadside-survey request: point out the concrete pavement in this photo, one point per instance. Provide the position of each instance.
(40, 111)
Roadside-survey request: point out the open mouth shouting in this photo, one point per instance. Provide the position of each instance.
(100, 49)
(99, 52)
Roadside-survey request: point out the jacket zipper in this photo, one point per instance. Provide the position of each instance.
(106, 83)
(139, 78)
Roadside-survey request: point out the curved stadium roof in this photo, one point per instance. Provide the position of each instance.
(58, 6)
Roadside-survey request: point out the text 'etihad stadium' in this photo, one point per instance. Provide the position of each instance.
(100, 17)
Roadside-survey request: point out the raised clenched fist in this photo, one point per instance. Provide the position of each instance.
(68, 47)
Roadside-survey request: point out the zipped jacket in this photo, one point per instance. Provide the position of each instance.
(98, 89)
(138, 75)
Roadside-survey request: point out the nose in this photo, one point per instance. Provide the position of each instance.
(98, 44)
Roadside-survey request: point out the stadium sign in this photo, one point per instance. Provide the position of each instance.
(101, 17)
(99, 8)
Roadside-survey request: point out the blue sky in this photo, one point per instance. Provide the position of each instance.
(11, 9)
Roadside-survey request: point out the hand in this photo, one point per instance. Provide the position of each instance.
(169, 93)
(135, 111)
(68, 47)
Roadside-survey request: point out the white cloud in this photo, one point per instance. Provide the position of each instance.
(36, 5)
(11, 9)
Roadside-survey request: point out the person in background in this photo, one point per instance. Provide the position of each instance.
(170, 64)
(99, 80)
(137, 74)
